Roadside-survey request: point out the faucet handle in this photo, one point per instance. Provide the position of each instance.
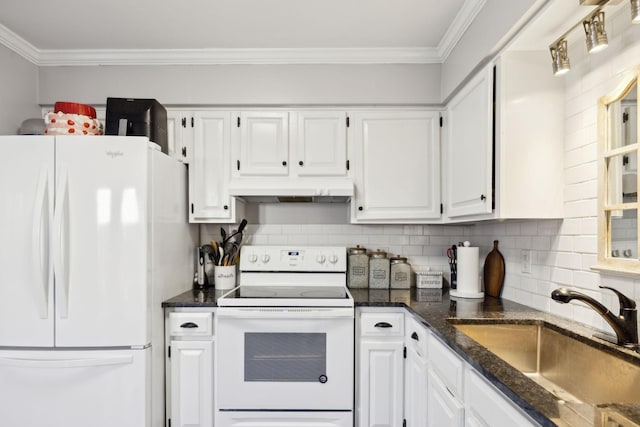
(626, 303)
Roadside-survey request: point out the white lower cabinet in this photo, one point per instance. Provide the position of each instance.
(445, 390)
(190, 369)
(415, 374)
(444, 408)
(487, 407)
(416, 380)
(380, 361)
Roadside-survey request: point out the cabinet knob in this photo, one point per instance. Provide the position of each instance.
(360, 208)
(284, 163)
(483, 197)
(301, 163)
(414, 336)
(226, 207)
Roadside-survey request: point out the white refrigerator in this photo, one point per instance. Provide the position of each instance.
(94, 235)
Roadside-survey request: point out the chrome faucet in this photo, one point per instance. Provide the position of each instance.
(625, 325)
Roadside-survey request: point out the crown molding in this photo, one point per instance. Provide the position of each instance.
(19, 45)
(461, 22)
(394, 55)
(239, 56)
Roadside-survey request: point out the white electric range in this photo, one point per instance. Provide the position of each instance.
(285, 340)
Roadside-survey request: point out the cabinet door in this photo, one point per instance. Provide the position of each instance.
(320, 147)
(415, 386)
(209, 200)
(445, 410)
(381, 383)
(261, 144)
(486, 406)
(180, 134)
(191, 383)
(397, 156)
(468, 148)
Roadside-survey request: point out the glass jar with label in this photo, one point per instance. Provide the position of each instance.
(379, 268)
(400, 277)
(358, 268)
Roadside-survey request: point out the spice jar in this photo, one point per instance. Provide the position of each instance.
(379, 267)
(358, 268)
(400, 277)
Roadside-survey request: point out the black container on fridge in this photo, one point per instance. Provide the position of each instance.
(137, 117)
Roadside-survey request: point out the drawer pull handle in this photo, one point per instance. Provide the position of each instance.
(383, 325)
(189, 325)
(414, 336)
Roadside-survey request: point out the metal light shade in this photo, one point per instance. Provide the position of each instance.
(596, 35)
(560, 58)
(635, 11)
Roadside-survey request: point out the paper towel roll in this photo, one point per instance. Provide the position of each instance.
(468, 273)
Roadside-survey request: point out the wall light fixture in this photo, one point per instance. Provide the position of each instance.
(560, 57)
(594, 30)
(635, 11)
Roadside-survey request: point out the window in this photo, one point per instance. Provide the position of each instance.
(618, 179)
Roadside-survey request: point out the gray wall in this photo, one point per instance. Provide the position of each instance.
(244, 84)
(19, 79)
(485, 36)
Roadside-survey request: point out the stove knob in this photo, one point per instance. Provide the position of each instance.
(253, 258)
(333, 259)
(265, 258)
(321, 259)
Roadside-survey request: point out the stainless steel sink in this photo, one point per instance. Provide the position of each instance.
(572, 370)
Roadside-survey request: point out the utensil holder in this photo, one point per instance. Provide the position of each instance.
(225, 276)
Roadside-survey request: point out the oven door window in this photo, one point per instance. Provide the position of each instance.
(285, 357)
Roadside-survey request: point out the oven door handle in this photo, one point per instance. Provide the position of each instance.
(284, 313)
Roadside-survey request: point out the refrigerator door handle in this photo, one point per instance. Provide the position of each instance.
(40, 213)
(61, 242)
(17, 362)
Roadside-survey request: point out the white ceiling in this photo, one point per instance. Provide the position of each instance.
(226, 31)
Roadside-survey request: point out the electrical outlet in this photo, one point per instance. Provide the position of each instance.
(525, 257)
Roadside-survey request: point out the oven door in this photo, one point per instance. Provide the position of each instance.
(275, 358)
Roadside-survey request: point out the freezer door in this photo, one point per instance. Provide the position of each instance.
(75, 388)
(100, 242)
(26, 215)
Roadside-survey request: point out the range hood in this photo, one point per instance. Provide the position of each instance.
(305, 190)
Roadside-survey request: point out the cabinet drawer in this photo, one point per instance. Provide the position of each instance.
(416, 335)
(382, 324)
(447, 365)
(191, 324)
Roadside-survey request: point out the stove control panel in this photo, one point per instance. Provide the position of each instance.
(293, 258)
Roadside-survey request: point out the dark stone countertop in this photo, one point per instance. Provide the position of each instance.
(435, 309)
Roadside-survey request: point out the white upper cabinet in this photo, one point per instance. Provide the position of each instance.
(290, 153)
(209, 171)
(468, 148)
(529, 138)
(180, 134)
(503, 145)
(396, 163)
(320, 146)
(261, 143)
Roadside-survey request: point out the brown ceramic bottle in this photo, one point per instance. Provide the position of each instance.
(494, 270)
